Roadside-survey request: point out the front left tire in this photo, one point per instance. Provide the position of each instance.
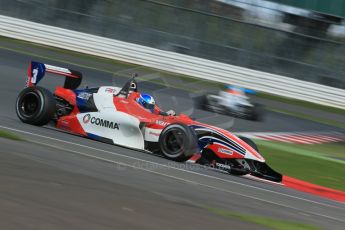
(178, 142)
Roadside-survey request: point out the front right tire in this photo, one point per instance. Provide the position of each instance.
(257, 113)
(35, 105)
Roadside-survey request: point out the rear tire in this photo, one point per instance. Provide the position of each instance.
(35, 106)
(258, 112)
(178, 142)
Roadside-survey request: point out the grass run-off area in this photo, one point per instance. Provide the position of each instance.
(321, 164)
(9, 135)
(270, 223)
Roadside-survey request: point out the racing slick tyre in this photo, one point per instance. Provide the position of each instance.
(35, 106)
(257, 113)
(178, 142)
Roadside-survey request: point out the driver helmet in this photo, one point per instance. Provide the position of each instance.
(147, 101)
(235, 90)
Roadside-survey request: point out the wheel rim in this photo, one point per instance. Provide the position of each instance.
(29, 104)
(174, 142)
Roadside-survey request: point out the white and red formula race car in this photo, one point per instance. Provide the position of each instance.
(113, 115)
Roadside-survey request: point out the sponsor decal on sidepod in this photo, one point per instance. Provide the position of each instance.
(223, 166)
(225, 151)
(100, 122)
(84, 95)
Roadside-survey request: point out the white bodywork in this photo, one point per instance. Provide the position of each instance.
(232, 101)
(152, 135)
(104, 97)
(121, 128)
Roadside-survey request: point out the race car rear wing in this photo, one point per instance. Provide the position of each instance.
(36, 72)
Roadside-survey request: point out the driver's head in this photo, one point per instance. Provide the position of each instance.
(147, 101)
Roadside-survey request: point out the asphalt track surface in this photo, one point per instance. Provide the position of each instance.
(58, 180)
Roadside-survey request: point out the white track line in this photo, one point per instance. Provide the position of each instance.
(192, 182)
(179, 169)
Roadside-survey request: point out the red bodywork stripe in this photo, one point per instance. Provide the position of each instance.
(29, 83)
(71, 124)
(195, 157)
(66, 94)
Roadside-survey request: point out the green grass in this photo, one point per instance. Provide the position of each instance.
(8, 135)
(313, 163)
(334, 150)
(270, 223)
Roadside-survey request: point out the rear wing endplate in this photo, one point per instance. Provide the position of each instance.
(37, 70)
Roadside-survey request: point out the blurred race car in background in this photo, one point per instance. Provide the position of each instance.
(113, 115)
(232, 101)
